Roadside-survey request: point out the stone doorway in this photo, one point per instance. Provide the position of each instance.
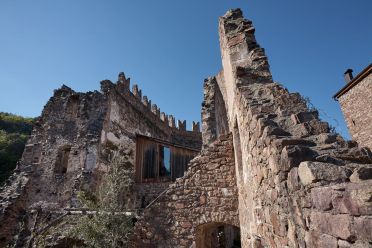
(217, 235)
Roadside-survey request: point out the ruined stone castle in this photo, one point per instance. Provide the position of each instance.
(264, 169)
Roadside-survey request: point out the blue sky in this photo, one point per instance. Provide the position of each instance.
(168, 47)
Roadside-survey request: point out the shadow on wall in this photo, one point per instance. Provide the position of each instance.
(62, 159)
(217, 235)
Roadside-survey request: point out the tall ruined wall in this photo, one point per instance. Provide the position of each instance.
(55, 161)
(63, 144)
(206, 194)
(355, 105)
(294, 181)
(282, 177)
(299, 185)
(69, 147)
(214, 119)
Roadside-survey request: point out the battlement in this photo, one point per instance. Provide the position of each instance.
(143, 103)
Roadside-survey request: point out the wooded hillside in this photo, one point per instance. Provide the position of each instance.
(14, 132)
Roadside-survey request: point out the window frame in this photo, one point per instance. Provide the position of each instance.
(143, 141)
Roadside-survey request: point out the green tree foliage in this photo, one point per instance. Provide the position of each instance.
(14, 132)
(110, 226)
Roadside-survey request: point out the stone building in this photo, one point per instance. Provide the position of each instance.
(298, 184)
(355, 99)
(264, 172)
(69, 147)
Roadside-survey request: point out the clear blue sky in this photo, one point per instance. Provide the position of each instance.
(169, 47)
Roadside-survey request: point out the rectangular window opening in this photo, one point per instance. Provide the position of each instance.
(149, 160)
(160, 161)
(164, 161)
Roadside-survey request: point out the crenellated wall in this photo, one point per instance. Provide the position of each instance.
(128, 116)
(149, 110)
(268, 164)
(70, 144)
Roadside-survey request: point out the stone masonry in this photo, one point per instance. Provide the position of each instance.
(68, 151)
(287, 161)
(206, 194)
(267, 164)
(356, 100)
(299, 185)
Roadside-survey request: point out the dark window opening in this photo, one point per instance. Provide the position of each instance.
(62, 160)
(182, 161)
(144, 203)
(158, 161)
(218, 235)
(149, 160)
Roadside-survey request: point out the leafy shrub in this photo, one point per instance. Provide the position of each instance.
(110, 226)
(14, 132)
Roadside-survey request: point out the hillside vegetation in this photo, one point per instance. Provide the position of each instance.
(14, 132)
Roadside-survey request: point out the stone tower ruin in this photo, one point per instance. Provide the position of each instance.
(264, 172)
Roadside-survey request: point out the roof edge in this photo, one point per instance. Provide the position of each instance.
(366, 71)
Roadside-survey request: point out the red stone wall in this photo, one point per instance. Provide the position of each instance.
(70, 144)
(299, 185)
(206, 194)
(356, 106)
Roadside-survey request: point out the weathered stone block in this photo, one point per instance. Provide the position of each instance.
(322, 198)
(343, 244)
(314, 239)
(293, 181)
(339, 225)
(310, 172)
(363, 173)
(362, 228)
(293, 155)
(292, 142)
(304, 117)
(326, 138)
(354, 199)
(271, 130)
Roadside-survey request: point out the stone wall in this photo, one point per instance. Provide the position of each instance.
(297, 189)
(207, 194)
(356, 107)
(67, 141)
(70, 144)
(130, 115)
(268, 165)
(299, 185)
(214, 118)
(12, 196)
(59, 156)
